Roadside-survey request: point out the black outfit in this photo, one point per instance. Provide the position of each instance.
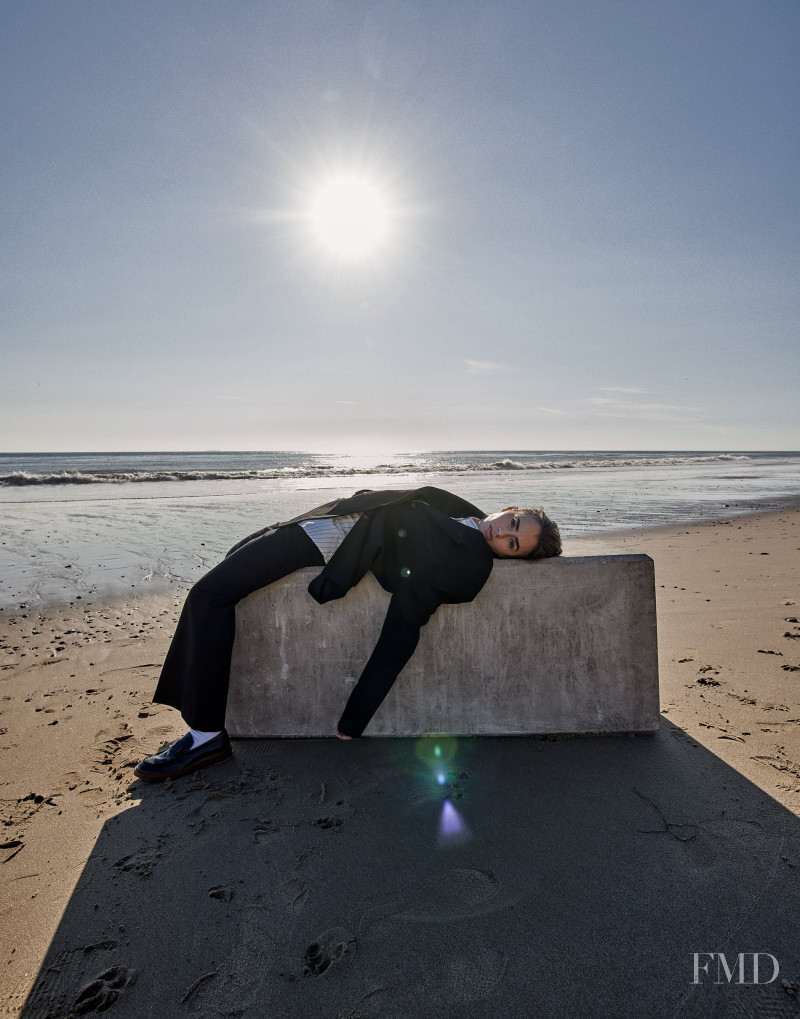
(410, 542)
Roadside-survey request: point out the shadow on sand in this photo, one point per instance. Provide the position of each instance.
(312, 878)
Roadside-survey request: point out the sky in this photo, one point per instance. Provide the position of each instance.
(581, 225)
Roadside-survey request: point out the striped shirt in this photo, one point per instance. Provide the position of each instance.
(328, 534)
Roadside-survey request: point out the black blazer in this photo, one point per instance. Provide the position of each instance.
(418, 553)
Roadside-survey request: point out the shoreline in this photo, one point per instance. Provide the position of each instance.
(582, 544)
(104, 541)
(75, 718)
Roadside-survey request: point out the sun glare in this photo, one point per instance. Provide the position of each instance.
(349, 217)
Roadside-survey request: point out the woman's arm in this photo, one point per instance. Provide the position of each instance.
(398, 641)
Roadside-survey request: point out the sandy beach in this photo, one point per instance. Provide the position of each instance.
(304, 878)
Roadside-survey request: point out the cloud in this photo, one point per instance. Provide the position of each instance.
(694, 418)
(621, 389)
(550, 410)
(484, 367)
(614, 407)
(604, 401)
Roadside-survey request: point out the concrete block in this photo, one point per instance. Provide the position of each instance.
(563, 645)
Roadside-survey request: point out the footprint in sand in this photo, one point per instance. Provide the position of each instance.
(257, 750)
(475, 978)
(104, 990)
(293, 894)
(334, 946)
(223, 893)
(464, 893)
(459, 894)
(144, 861)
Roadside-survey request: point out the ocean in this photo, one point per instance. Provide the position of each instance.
(93, 525)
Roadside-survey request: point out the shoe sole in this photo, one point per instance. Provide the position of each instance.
(203, 762)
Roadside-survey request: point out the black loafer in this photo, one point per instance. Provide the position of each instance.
(181, 757)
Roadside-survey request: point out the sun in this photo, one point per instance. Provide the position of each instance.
(349, 216)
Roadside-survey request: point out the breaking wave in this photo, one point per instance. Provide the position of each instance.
(317, 470)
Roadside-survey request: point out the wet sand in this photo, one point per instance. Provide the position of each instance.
(311, 877)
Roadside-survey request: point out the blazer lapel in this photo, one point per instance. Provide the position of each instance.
(461, 534)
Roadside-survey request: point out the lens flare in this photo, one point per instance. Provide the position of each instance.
(452, 827)
(436, 752)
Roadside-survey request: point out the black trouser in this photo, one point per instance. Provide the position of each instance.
(197, 668)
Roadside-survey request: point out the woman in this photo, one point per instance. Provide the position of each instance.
(426, 547)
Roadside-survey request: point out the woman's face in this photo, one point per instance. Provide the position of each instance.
(510, 533)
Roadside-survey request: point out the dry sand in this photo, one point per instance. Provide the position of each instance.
(728, 604)
(304, 878)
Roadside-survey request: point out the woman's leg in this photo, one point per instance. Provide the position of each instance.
(196, 671)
